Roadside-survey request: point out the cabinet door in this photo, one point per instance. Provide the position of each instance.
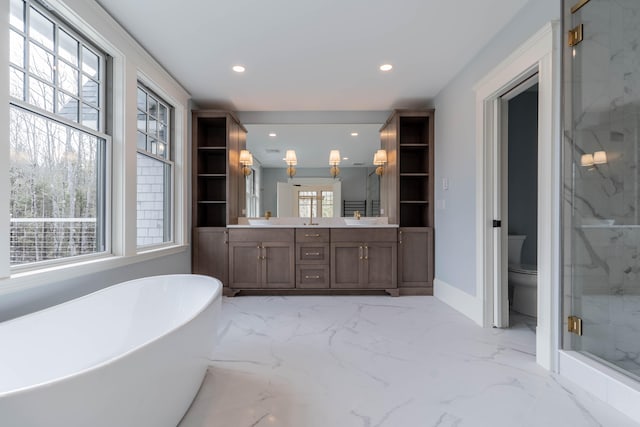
(210, 253)
(245, 264)
(278, 265)
(415, 257)
(381, 265)
(346, 265)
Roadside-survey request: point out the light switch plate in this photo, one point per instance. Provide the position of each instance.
(445, 183)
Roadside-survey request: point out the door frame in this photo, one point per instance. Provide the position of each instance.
(541, 54)
(501, 202)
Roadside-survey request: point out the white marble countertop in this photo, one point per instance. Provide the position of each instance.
(312, 226)
(295, 222)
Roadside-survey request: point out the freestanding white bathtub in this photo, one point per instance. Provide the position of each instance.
(131, 355)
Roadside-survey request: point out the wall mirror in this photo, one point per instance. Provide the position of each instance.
(357, 187)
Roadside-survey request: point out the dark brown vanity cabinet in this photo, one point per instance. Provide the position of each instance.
(414, 245)
(312, 258)
(407, 194)
(364, 258)
(261, 259)
(218, 188)
(210, 252)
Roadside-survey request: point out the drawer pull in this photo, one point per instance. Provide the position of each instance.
(311, 277)
(312, 253)
(311, 235)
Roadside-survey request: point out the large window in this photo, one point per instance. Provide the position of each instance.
(155, 170)
(58, 148)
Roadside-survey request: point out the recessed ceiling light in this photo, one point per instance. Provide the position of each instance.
(272, 134)
(354, 133)
(238, 68)
(345, 158)
(386, 67)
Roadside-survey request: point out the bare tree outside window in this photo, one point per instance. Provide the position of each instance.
(57, 151)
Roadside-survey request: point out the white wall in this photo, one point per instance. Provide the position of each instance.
(25, 291)
(455, 151)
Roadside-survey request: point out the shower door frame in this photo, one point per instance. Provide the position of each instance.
(540, 54)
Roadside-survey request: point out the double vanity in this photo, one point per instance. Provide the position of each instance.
(333, 255)
(337, 255)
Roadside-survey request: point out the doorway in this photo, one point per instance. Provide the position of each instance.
(538, 55)
(517, 235)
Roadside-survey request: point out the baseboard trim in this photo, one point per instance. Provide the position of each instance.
(461, 301)
(607, 384)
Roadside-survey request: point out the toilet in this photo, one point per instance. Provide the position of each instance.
(523, 279)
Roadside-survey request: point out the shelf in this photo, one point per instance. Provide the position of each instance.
(212, 162)
(414, 145)
(416, 174)
(212, 133)
(211, 202)
(212, 214)
(414, 163)
(414, 202)
(414, 130)
(212, 175)
(212, 148)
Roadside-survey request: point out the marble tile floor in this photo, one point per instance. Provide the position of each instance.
(380, 362)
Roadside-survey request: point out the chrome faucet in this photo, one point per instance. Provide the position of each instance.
(356, 214)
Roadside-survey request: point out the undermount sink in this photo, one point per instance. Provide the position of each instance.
(259, 221)
(361, 221)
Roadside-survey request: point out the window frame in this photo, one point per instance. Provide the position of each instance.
(61, 24)
(169, 227)
(104, 202)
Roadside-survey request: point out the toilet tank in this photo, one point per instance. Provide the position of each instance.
(515, 248)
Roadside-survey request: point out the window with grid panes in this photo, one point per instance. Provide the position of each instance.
(154, 169)
(58, 148)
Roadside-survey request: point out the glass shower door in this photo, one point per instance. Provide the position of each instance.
(602, 180)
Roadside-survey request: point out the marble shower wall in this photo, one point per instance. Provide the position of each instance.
(602, 202)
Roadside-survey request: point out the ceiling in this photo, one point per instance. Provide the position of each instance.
(305, 55)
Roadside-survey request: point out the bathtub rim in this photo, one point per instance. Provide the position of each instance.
(217, 294)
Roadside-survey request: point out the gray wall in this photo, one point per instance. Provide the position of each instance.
(354, 183)
(455, 148)
(523, 172)
(26, 301)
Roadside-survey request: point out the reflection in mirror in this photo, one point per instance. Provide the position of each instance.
(356, 188)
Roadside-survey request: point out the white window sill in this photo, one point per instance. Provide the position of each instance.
(43, 276)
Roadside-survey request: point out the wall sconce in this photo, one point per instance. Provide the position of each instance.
(597, 158)
(246, 160)
(291, 160)
(380, 159)
(334, 161)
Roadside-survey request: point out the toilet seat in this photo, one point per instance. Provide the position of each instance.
(524, 269)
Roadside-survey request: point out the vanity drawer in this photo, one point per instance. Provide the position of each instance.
(261, 234)
(312, 276)
(312, 253)
(314, 235)
(362, 234)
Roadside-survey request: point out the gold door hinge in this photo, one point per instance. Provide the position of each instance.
(576, 7)
(575, 35)
(574, 325)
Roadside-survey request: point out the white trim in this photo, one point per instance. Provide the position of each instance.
(539, 53)
(607, 384)
(459, 300)
(19, 282)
